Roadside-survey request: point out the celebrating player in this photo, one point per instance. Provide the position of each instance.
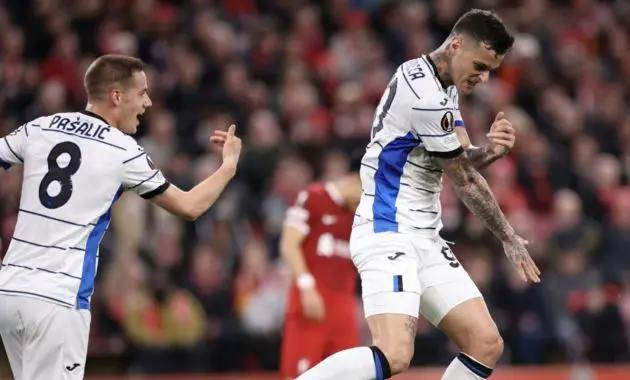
(321, 314)
(76, 165)
(406, 269)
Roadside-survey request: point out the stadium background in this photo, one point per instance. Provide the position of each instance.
(301, 80)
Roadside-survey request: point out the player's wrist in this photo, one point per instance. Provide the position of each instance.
(228, 168)
(305, 281)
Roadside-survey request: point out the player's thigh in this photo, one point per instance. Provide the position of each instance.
(76, 343)
(303, 346)
(388, 265)
(43, 339)
(11, 328)
(452, 302)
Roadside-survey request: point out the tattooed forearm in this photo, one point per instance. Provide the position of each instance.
(474, 191)
(482, 157)
(411, 326)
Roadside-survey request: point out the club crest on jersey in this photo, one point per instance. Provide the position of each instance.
(447, 121)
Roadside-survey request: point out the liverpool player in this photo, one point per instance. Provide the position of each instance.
(321, 313)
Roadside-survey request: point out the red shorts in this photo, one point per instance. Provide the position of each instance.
(306, 343)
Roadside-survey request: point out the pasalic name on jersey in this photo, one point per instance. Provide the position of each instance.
(80, 127)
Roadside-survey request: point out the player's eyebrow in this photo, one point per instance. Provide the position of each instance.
(482, 66)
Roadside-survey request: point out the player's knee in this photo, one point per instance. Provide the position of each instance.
(398, 355)
(488, 346)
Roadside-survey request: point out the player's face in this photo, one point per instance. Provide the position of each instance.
(134, 101)
(471, 63)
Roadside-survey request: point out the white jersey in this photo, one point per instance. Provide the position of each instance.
(75, 167)
(414, 123)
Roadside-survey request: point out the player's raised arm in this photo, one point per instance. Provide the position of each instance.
(193, 203)
(12, 147)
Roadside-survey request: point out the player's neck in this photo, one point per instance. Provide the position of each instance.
(101, 112)
(440, 59)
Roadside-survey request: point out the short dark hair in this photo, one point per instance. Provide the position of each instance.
(107, 71)
(485, 26)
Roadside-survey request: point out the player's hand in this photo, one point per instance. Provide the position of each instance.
(516, 251)
(231, 146)
(502, 135)
(312, 304)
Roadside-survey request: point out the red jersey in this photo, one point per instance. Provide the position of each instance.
(319, 212)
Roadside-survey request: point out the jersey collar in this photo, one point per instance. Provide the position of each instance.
(94, 115)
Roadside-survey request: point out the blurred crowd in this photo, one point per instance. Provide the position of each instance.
(301, 80)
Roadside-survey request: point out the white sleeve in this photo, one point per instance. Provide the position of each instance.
(142, 177)
(459, 120)
(434, 124)
(13, 146)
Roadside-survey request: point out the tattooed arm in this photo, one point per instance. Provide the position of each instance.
(474, 191)
(482, 157)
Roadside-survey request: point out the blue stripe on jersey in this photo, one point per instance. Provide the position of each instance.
(86, 288)
(391, 162)
(459, 123)
(5, 165)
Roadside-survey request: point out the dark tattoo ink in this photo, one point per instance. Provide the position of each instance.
(443, 62)
(474, 191)
(482, 157)
(411, 326)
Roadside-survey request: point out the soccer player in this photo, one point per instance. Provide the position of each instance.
(76, 165)
(321, 313)
(405, 267)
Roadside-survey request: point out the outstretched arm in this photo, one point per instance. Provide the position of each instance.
(191, 204)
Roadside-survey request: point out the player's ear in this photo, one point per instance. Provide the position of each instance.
(115, 96)
(456, 43)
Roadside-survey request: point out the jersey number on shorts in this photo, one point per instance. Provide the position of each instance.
(61, 175)
(448, 255)
(391, 93)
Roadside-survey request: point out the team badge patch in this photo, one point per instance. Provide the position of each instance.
(447, 122)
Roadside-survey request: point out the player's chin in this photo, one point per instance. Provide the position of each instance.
(466, 87)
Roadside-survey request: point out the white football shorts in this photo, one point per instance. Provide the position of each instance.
(44, 340)
(403, 273)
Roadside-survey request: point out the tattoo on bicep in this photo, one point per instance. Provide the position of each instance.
(411, 326)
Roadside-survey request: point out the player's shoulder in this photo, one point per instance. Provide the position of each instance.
(311, 195)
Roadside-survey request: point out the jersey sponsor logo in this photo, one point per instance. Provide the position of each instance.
(396, 255)
(447, 121)
(71, 368)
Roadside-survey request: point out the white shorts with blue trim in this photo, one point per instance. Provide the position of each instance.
(405, 273)
(43, 340)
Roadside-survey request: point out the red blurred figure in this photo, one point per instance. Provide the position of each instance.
(321, 313)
